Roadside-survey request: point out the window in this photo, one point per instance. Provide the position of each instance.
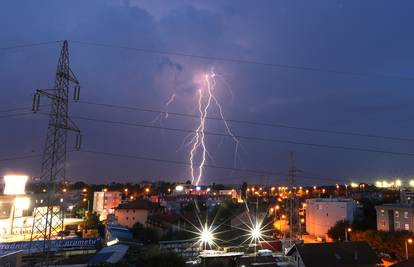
(397, 225)
(406, 214)
(397, 213)
(407, 227)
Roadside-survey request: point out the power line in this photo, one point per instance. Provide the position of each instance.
(15, 115)
(28, 45)
(20, 157)
(249, 122)
(175, 162)
(271, 140)
(243, 61)
(15, 109)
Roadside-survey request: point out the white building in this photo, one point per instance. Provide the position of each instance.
(323, 213)
(105, 202)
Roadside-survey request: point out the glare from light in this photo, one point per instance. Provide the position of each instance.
(15, 184)
(398, 183)
(256, 232)
(412, 183)
(206, 236)
(22, 203)
(179, 188)
(354, 185)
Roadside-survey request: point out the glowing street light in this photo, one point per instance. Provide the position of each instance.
(206, 236)
(256, 232)
(408, 241)
(412, 183)
(347, 230)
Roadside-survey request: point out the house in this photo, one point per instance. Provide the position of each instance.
(395, 217)
(130, 213)
(339, 254)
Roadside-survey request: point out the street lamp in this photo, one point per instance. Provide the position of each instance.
(408, 241)
(347, 230)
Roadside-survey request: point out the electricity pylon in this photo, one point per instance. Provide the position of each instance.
(48, 214)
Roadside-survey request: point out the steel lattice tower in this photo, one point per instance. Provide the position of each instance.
(48, 214)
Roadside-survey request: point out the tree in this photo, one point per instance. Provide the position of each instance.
(337, 232)
(92, 221)
(392, 243)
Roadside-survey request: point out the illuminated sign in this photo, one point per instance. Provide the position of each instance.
(15, 184)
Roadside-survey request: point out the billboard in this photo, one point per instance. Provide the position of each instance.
(56, 244)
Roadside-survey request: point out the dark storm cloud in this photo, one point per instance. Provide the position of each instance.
(354, 36)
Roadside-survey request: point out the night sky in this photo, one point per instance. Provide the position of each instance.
(344, 37)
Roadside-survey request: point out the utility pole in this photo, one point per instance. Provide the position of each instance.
(48, 214)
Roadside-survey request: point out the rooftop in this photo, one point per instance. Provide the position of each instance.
(340, 254)
(138, 204)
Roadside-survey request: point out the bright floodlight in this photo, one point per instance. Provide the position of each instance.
(22, 203)
(354, 185)
(15, 184)
(412, 183)
(179, 188)
(398, 183)
(206, 236)
(256, 232)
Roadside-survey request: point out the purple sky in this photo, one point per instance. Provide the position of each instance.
(351, 36)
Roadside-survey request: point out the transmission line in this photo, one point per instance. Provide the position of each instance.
(243, 61)
(249, 122)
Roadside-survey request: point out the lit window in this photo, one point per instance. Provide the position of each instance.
(407, 227)
(397, 225)
(383, 222)
(397, 214)
(406, 214)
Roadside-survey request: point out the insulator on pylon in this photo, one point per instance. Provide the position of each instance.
(36, 101)
(76, 92)
(78, 141)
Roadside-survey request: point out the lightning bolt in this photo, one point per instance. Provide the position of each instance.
(206, 98)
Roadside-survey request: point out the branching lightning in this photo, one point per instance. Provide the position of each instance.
(206, 98)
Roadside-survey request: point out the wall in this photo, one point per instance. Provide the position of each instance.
(321, 215)
(129, 217)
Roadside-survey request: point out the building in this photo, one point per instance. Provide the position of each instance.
(344, 254)
(407, 196)
(133, 212)
(105, 202)
(323, 213)
(395, 217)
